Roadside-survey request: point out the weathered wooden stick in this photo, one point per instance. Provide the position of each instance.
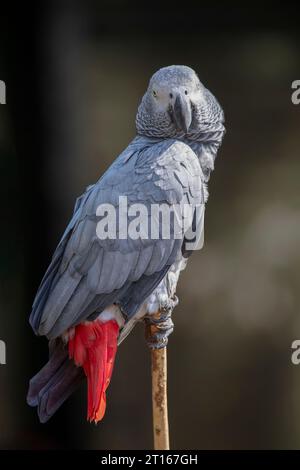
(159, 387)
(160, 399)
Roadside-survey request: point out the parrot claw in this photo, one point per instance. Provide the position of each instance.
(169, 304)
(160, 339)
(158, 329)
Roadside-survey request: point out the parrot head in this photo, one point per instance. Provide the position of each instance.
(173, 104)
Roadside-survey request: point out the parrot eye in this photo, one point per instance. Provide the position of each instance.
(185, 92)
(171, 95)
(154, 94)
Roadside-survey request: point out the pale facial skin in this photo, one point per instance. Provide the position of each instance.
(176, 100)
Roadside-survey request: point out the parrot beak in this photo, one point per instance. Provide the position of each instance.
(182, 113)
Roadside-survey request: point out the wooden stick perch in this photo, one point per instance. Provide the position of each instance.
(159, 399)
(159, 381)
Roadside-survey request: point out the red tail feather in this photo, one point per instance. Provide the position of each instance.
(94, 346)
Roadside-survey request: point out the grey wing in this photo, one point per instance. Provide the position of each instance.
(88, 273)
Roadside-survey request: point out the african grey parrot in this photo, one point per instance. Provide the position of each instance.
(97, 288)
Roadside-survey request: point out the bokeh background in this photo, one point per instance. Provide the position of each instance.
(75, 72)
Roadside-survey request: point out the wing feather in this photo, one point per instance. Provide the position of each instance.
(90, 273)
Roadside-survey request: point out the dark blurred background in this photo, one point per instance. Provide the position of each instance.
(75, 72)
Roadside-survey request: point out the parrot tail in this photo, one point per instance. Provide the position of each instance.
(55, 382)
(93, 346)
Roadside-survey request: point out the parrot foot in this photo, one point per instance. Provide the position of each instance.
(169, 304)
(160, 325)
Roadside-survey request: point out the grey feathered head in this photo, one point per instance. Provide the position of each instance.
(176, 104)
